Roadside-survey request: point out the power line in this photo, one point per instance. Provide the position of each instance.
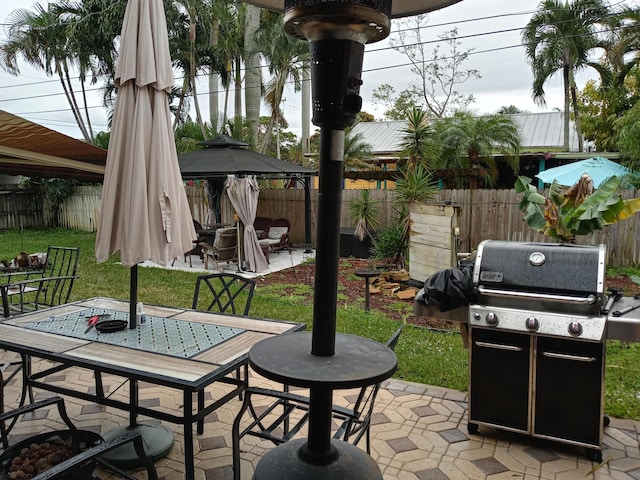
(495, 32)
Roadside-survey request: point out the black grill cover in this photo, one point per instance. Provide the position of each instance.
(540, 267)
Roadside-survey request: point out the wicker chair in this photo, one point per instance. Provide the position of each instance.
(278, 236)
(262, 225)
(224, 248)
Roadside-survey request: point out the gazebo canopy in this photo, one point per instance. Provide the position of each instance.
(29, 149)
(224, 155)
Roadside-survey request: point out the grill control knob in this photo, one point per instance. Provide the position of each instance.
(575, 329)
(491, 319)
(532, 324)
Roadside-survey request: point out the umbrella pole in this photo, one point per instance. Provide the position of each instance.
(133, 296)
(158, 439)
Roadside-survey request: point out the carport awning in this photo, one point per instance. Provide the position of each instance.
(29, 149)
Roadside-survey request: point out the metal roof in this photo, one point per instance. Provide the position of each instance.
(539, 131)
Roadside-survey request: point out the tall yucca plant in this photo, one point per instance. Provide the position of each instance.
(417, 185)
(417, 144)
(363, 212)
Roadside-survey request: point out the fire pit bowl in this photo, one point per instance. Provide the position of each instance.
(83, 439)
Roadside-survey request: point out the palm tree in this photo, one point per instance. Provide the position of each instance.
(41, 38)
(559, 37)
(469, 142)
(357, 152)
(625, 52)
(417, 143)
(285, 56)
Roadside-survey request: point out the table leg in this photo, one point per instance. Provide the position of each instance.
(189, 466)
(366, 294)
(5, 299)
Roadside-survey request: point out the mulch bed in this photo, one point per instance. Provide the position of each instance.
(353, 291)
(392, 307)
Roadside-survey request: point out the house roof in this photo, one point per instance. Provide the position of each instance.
(539, 132)
(29, 149)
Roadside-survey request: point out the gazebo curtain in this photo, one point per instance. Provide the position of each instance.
(243, 193)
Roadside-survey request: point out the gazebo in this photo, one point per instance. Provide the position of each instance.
(223, 155)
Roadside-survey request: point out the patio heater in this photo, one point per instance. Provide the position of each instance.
(337, 31)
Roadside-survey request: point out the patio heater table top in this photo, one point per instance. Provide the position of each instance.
(357, 362)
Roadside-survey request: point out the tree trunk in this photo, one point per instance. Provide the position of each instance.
(306, 107)
(192, 74)
(565, 81)
(237, 94)
(68, 91)
(576, 114)
(214, 78)
(252, 80)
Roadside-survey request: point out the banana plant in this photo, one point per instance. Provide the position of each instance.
(578, 210)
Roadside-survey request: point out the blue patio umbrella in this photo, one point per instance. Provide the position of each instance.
(598, 168)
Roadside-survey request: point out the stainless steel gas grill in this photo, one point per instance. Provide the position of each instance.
(537, 341)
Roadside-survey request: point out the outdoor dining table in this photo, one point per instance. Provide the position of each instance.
(178, 348)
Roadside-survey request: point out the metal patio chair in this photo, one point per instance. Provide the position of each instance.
(224, 293)
(197, 247)
(287, 413)
(50, 288)
(81, 463)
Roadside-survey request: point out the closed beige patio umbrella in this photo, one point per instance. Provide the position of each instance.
(144, 213)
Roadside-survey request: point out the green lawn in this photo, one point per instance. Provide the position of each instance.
(424, 356)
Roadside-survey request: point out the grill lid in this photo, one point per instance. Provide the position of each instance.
(546, 268)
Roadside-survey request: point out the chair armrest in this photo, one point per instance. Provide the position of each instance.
(13, 414)
(31, 407)
(301, 399)
(93, 453)
(206, 246)
(39, 280)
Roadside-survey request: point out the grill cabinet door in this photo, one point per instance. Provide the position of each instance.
(569, 391)
(500, 379)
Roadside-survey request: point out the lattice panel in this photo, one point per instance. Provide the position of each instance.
(167, 336)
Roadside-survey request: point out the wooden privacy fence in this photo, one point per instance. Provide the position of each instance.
(484, 214)
(494, 214)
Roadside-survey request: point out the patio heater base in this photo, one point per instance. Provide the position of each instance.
(157, 440)
(290, 462)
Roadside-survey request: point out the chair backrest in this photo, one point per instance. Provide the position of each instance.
(363, 407)
(262, 225)
(281, 222)
(61, 261)
(224, 293)
(60, 272)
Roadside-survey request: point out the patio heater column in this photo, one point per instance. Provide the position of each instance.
(337, 31)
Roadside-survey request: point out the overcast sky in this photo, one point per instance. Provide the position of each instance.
(492, 26)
